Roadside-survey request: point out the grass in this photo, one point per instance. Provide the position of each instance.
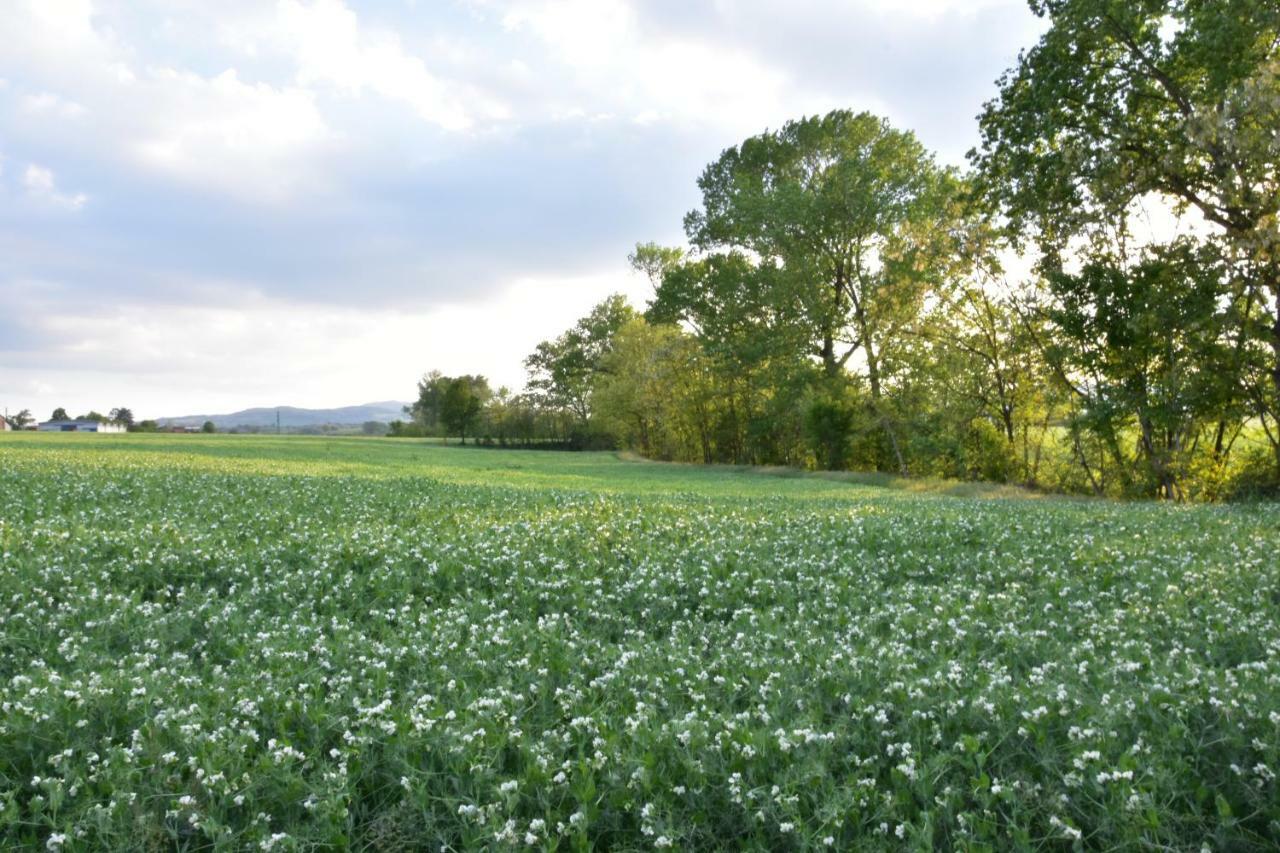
(226, 642)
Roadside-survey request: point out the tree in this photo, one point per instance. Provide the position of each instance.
(1142, 345)
(59, 414)
(208, 427)
(373, 428)
(839, 203)
(426, 409)
(93, 416)
(462, 403)
(21, 419)
(562, 371)
(657, 393)
(836, 225)
(1171, 100)
(757, 351)
(122, 416)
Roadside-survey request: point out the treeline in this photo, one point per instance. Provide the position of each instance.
(120, 416)
(1093, 307)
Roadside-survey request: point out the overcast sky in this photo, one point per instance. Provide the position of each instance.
(208, 206)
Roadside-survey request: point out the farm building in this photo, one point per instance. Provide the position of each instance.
(79, 426)
(4, 425)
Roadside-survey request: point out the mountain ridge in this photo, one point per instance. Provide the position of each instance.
(295, 416)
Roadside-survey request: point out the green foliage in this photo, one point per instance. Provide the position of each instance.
(403, 429)
(20, 419)
(1148, 346)
(1174, 101)
(215, 642)
(208, 426)
(59, 414)
(839, 210)
(461, 404)
(562, 371)
(426, 409)
(829, 419)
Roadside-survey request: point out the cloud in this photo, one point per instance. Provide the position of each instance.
(41, 186)
(253, 350)
(50, 104)
(330, 46)
(613, 65)
(346, 186)
(221, 134)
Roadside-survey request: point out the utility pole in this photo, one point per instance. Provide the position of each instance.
(277, 420)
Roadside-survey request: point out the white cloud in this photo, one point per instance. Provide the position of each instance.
(331, 47)
(50, 104)
(265, 164)
(247, 349)
(618, 66)
(214, 131)
(42, 187)
(222, 134)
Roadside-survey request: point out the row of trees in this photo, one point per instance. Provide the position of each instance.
(121, 416)
(844, 301)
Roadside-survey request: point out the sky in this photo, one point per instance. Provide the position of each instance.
(211, 206)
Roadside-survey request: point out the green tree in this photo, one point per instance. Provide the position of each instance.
(562, 371)
(122, 416)
(657, 394)
(842, 212)
(839, 202)
(1171, 100)
(59, 414)
(208, 427)
(1142, 349)
(426, 409)
(757, 350)
(21, 419)
(463, 402)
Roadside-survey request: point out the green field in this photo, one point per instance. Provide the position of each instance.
(233, 642)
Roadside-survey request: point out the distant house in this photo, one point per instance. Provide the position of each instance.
(4, 425)
(79, 426)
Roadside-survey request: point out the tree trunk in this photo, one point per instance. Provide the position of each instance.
(830, 366)
(1275, 356)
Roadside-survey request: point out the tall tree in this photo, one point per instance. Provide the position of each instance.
(59, 414)
(842, 211)
(1177, 99)
(426, 409)
(122, 416)
(837, 203)
(657, 393)
(562, 371)
(462, 404)
(1142, 348)
(21, 419)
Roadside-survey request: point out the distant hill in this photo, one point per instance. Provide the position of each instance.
(290, 416)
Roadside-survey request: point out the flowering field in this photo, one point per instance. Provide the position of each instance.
(230, 643)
